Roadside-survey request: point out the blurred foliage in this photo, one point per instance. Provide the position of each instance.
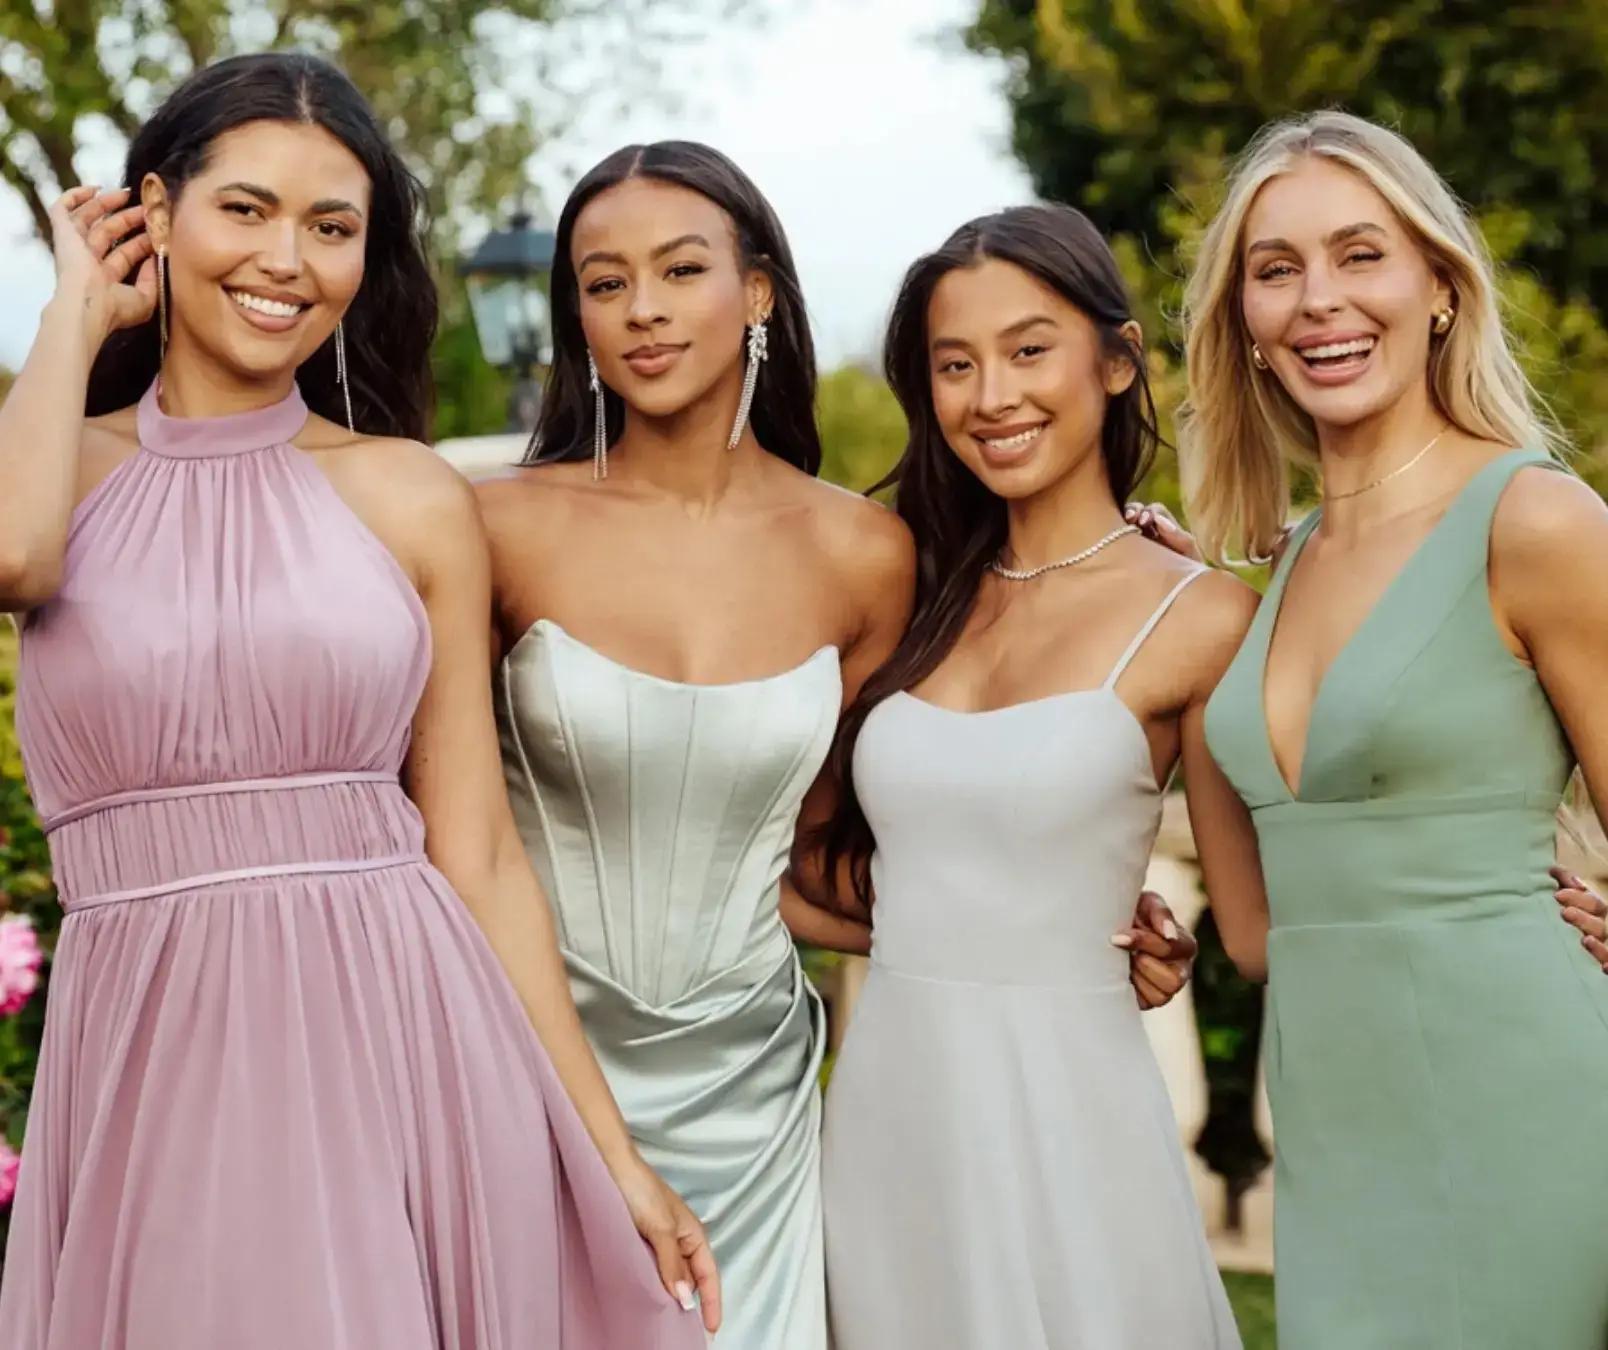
(467, 88)
(24, 889)
(862, 429)
(471, 394)
(1133, 112)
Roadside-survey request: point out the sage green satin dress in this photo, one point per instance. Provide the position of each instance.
(1437, 1053)
(660, 817)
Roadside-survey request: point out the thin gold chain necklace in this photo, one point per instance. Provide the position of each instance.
(1394, 473)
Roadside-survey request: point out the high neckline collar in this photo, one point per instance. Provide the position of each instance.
(212, 437)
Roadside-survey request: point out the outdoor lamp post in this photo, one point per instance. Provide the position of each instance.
(507, 278)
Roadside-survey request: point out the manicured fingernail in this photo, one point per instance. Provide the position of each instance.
(684, 1295)
(1169, 930)
(1122, 940)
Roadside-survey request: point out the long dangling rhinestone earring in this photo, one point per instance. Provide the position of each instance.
(162, 300)
(340, 372)
(757, 352)
(600, 431)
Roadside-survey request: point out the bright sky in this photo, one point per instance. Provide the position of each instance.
(867, 124)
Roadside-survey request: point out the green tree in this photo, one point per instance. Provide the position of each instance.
(455, 81)
(1133, 111)
(862, 429)
(1118, 105)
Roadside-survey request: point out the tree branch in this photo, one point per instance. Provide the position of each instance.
(16, 177)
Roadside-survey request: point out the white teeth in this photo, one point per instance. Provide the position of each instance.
(278, 308)
(1356, 347)
(1015, 442)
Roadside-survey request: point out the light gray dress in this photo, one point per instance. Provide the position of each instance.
(1002, 1164)
(660, 817)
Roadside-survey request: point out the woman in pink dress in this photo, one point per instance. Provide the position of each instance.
(289, 1094)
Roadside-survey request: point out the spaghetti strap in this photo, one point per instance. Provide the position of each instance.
(1149, 626)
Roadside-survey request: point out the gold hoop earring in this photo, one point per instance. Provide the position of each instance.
(1443, 321)
(1257, 359)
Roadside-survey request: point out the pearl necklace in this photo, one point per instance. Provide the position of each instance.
(999, 568)
(1385, 478)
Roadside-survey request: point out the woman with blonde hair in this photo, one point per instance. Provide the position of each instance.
(1402, 719)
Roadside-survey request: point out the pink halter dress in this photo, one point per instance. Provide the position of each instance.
(288, 1097)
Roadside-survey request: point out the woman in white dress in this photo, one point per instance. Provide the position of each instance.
(1002, 1166)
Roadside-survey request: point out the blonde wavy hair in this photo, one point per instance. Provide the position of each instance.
(1239, 431)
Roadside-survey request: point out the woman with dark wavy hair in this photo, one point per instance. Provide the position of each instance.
(1002, 1165)
(289, 1093)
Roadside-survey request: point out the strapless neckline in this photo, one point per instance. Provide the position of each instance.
(553, 627)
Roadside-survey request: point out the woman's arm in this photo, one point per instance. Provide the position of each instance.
(1549, 586)
(1225, 839)
(1230, 864)
(880, 575)
(454, 776)
(1549, 581)
(42, 418)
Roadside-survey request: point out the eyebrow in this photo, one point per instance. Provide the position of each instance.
(268, 197)
(680, 241)
(1022, 325)
(1015, 329)
(1337, 237)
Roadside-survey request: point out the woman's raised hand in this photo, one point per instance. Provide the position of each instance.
(1155, 522)
(104, 257)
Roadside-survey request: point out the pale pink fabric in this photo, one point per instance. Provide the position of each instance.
(288, 1099)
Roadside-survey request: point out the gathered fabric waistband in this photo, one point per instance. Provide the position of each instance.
(286, 783)
(152, 842)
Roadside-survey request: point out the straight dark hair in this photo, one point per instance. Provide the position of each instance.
(783, 414)
(391, 323)
(958, 524)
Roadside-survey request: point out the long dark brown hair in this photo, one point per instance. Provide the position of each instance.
(783, 415)
(391, 323)
(958, 524)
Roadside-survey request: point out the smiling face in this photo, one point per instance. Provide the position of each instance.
(1337, 295)
(265, 245)
(1020, 377)
(664, 297)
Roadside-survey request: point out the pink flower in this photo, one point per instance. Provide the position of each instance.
(20, 959)
(10, 1161)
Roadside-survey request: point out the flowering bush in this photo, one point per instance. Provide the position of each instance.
(10, 1160)
(20, 960)
(27, 933)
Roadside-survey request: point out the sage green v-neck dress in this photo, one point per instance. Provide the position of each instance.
(1437, 1055)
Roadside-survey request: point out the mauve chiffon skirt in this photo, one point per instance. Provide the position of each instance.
(303, 1112)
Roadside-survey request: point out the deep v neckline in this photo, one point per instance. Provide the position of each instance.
(1353, 643)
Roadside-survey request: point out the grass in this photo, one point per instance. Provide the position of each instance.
(1252, 1297)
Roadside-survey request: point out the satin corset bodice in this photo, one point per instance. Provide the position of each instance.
(659, 815)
